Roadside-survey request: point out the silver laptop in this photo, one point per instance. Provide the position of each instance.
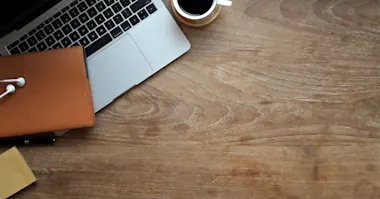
(126, 41)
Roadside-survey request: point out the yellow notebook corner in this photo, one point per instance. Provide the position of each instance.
(15, 174)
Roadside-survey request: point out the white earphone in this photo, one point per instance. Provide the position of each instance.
(9, 89)
(19, 81)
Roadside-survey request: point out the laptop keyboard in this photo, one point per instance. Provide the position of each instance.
(90, 23)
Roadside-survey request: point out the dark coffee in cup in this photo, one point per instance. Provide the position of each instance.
(195, 7)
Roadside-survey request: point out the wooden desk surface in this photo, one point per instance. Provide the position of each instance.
(276, 99)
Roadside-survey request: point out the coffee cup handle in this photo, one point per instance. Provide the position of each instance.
(224, 2)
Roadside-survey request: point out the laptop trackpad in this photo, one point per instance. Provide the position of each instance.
(115, 70)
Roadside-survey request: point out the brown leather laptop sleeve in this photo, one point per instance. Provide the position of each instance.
(56, 96)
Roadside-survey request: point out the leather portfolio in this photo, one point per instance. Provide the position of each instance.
(56, 95)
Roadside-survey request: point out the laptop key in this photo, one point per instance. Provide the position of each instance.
(23, 47)
(23, 37)
(57, 24)
(125, 26)
(99, 19)
(66, 29)
(32, 41)
(13, 44)
(65, 9)
(116, 32)
(84, 41)
(151, 8)
(66, 42)
(134, 20)
(126, 13)
(83, 30)
(101, 30)
(34, 49)
(49, 20)
(65, 18)
(40, 26)
(92, 35)
(75, 23)
(58, 35)
(82, 6)
(40, 35)
(109, 2)
(90, 2)
(30, 33)
(109, 24)
(50, 40)
(83, 18)
(15, 51)
(48, 29)
(98, 44)
(41, 46)
(74, 3)
(108, 13)
(142, 14)
(74, 36)
(100, 6)
(116, 7)
(139, 4)
(91, 24)
(74, 12)
(56, 15)
(125, 3)
(57, 45)
(76, 44)
(92, 12)
(118, 19)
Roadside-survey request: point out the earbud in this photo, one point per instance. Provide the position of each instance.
(19, 81)
(9, 89)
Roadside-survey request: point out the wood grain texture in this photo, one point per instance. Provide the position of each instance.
(276, 99)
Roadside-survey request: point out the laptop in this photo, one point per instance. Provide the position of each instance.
(126, 41)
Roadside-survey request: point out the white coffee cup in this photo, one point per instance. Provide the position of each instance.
(202, 16)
